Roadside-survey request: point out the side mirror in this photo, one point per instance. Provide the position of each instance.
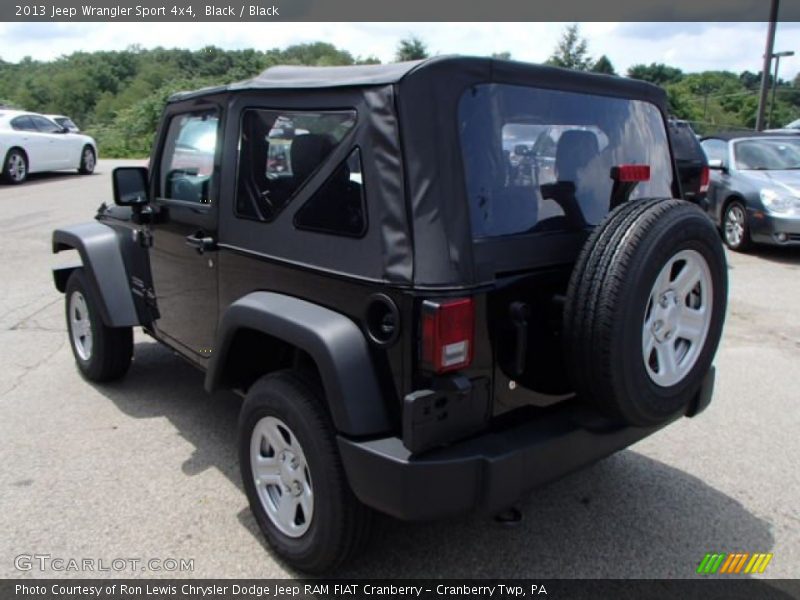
(521, 150)
(130, 186)
(717, 164)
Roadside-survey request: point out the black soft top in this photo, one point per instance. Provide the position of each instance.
(447, 70)
(408, 135)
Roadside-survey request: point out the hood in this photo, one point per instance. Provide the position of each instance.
(780, 181)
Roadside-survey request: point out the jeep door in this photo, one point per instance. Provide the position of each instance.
(183, 253)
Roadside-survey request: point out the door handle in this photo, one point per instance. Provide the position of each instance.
(201, 242)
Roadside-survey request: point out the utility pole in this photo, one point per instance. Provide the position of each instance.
(777, 56)
(767, 67)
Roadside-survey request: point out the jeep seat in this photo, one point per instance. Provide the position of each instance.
(575, 151)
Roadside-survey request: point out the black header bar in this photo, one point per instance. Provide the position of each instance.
(406, 10)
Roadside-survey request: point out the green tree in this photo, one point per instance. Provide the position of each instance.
(502, 55)
(603, 65)
(411, 48)
(317, 53)
(571, 51)
(657, 73)
(750, 80)
(369, 60)
(682, 104)
(130, 134)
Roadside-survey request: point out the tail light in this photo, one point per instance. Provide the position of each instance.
(448, 332)
(630, 173)
(626, 178)
(705, 177)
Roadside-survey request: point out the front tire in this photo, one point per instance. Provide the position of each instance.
(88, 161)
(293, 475)
(15, 167)
(735, 228)
(102, 353)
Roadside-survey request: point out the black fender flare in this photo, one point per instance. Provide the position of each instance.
(101, 258)
(334, 341)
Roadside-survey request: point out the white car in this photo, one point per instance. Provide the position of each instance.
(65, 122)
(793, 127)
(32, 143)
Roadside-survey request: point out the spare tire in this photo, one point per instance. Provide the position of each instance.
(644, 310)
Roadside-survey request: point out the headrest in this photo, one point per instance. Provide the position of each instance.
(574, 151)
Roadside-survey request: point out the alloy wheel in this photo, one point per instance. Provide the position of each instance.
(734, 225)
(80, 326)
(282, 477)
(17, 169)
(677, 318)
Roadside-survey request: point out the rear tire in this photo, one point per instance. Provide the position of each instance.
(645, 309)
(102, 353)
(88, 161)
(15, 167)
(287, 442)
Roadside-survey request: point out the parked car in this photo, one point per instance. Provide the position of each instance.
(754, 195)
(65, 122)
(410, 332)
(691, 162)
(793, 127)
(32, 143)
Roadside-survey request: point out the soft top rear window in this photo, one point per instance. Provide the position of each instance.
(540, 160)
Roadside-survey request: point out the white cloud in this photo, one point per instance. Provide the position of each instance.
(689, 46)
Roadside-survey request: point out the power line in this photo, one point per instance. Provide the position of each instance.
(745, 93)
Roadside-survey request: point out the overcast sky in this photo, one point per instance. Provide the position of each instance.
(690, 46)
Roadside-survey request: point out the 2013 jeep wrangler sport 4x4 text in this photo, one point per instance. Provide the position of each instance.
(437, 284)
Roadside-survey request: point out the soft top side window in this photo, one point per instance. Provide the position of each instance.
(338, 206)
(279, 151)
(187, 162)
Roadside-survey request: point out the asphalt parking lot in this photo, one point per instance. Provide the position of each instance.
(147, 468)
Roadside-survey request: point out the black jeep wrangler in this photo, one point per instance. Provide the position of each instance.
(437, 284)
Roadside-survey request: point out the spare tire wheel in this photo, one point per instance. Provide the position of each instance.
(644, 310)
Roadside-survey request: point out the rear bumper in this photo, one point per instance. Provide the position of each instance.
(489, 472)
(769, 229)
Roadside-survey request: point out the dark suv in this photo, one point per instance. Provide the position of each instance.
(415, 329)
(691, 162)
